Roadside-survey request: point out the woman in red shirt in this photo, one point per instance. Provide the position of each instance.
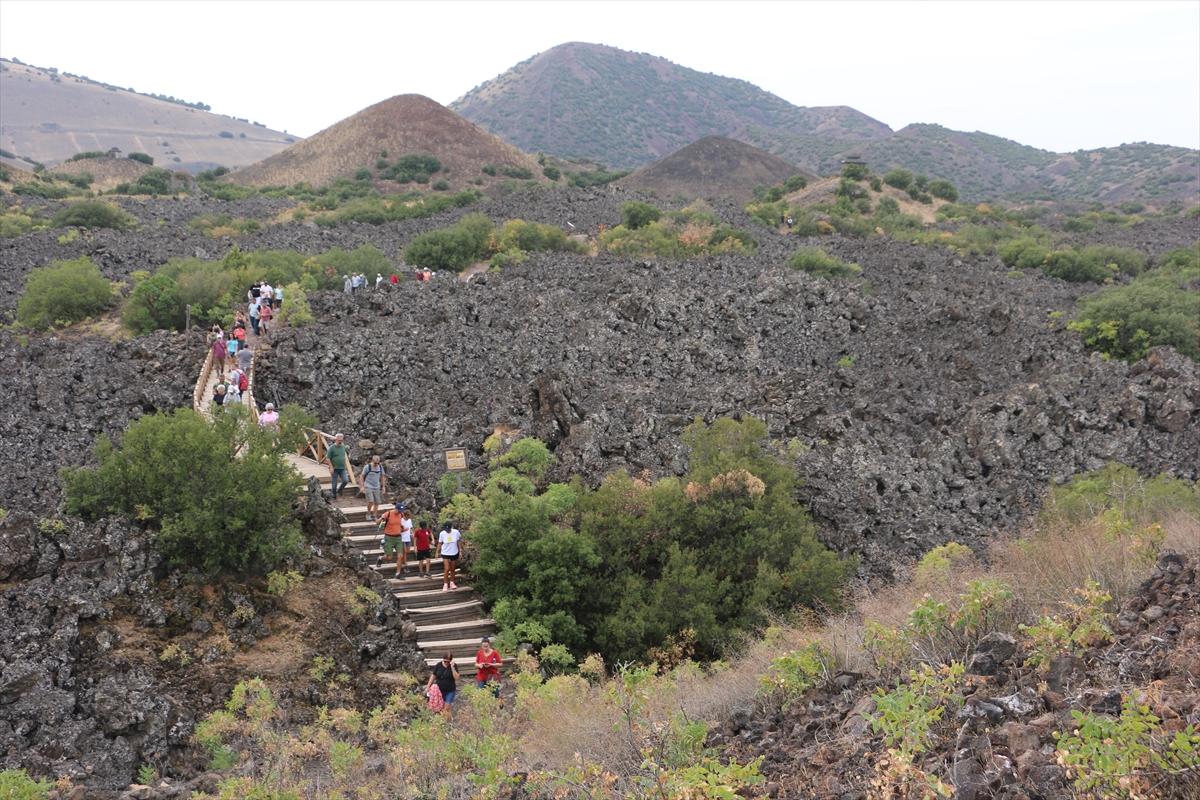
(487, 663)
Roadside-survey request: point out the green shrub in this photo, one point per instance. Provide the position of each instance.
(153, 305)
(899, 178)
(856, 172)
(877, 184)
(16, 785)
(62, 293)
(596, 177)
(795, 183)
(887, 206)
(155, 181)
(13, 225)
(638, 215)
(93, 214)
(518, 173)
(296, 311)
(452, 249)
(440, 185)
(1023, 254)
(943, 190)
(1126, 321)
(1077, 226)
(362, 174)
(219, 493)
(46, 191)
(1132, 207)
(768, 194)
(821, 264)
(87, 155)
(1183, 264)
(144, 158)
(489, 169)
(552, 172)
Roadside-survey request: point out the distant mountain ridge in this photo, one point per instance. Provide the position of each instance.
(50, 116)
(628, 109)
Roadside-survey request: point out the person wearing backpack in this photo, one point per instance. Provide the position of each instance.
(374, 483)
(392, 524)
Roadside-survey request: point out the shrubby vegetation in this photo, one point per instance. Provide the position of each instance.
(378, 210)
(154, 181)
(407, 169)
(62, 293)
(632, 566)
(219, 493)
(1160, 307)
(821, 264)
(212, 225)
(596, 177)
(473, 238)
(159, 302)
(686, 233)
(1093, 263)
(144, 158)
(92, 214)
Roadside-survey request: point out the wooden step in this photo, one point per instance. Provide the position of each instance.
(432, 596)
(466, 611)
(436, 566)
(461, 648)
(455, 631)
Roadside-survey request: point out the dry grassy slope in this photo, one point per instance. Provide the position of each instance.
(402, 125)
(106, 172)
(715, 166)
(824, 192)
(50, 122)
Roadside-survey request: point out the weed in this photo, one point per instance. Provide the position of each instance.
(174, 651)
(321, 667)
(279, 583)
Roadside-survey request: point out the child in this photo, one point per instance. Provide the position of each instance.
(423, 539)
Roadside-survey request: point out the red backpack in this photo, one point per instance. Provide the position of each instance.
(243, 383)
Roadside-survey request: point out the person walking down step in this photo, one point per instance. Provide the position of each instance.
(392, 522)
(406, 536)
(446, 676)
(423, 541)
(335, 457)
(253, 311)
(487, 666)
(448, 541)
(374, 483)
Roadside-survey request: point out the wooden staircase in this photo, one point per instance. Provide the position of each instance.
(447, 622)
(452, 621)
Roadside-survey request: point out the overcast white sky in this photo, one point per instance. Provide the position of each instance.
(1060, 76)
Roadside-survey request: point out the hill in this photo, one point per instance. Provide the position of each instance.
(408, 124)
(715, 166)
(49, 117)
(983, 165)
(626, 109)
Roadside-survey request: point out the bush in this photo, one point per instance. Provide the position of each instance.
(144, 158)
(225, 135)
(887, 206)
(46, 191)
(296, 311)
(768, 194)
(13, 225)
(795, 183)
(453, 249)
(552, 172)
(1126, 321)
(87, 155)
(638, 215)
(219, 493)
(596, 177)
(943, 190)
(15, 784)
(489, 169)
(519, 173)
(876, 184)
(440, 185)
(362, 174)
(899, 178)
(1077, 226)
(856, 172)
(1023, 254)
(62, 293)
(1132, 207)
(153, 305)
(821, 264)
(155, 181)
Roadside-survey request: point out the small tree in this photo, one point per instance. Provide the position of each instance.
(144, 158)
(856, 172)
(943, 190)
(552, 172)
(795, 183)
(219, 492)
(92, 214)
(639, 215)
(899, 178)
(62, 293)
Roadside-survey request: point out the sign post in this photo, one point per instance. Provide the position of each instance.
(456, 462)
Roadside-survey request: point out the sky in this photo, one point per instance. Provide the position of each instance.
(1058, 76)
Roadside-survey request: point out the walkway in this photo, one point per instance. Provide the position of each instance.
(452, 621)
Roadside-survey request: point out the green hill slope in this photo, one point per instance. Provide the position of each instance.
(628, 109)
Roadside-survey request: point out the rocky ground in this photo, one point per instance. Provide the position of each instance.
(1000, 744)
(934, 403)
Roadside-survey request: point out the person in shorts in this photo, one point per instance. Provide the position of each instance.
(448, 541)
(446, 675)
(374, 482)
(423, 541)
(391, 524)
(406, 536)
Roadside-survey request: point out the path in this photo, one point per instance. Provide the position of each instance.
(452, 621)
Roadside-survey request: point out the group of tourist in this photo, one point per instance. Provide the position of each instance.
(442, 687)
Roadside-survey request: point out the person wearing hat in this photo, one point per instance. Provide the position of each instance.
(335, 457)
(374, 483)
(269, 418)
(392, 523)
(487, 666)
(448, 541)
